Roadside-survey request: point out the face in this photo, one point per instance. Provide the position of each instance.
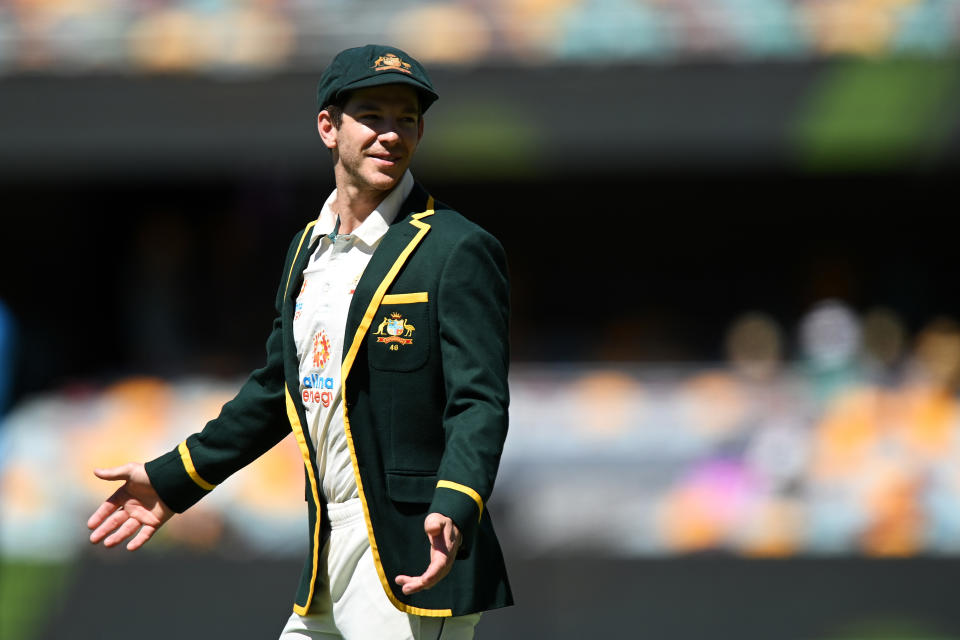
(377, 137)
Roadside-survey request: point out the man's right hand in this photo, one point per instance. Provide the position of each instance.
(133, 506)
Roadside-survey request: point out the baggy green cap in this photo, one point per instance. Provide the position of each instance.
(370, 66)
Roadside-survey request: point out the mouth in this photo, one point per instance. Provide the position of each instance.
(385, 160)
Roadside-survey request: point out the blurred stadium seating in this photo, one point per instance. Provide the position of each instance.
(854, 449)
(258, 35)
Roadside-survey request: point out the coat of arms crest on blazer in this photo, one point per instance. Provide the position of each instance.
(395, 330)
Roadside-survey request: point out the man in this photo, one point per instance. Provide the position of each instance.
(388, 360)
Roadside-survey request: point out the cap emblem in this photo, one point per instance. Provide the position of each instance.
(391, 62)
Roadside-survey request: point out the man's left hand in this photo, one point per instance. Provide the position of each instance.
(445, 539)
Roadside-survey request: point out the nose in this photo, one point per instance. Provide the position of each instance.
(389, 135)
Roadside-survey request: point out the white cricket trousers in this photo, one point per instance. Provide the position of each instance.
(354, 606)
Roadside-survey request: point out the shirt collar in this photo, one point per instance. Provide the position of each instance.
(379, 220)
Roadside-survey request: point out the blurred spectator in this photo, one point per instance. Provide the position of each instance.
(829, 343)
(754, 347)
(829, 335)
(936, 357)
(884, 339)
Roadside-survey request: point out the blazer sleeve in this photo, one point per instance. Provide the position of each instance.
(473, 306)
(248, 426)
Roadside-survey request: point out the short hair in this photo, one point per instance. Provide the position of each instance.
(336, 114)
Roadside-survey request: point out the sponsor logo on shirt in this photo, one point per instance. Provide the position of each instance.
(317, 389)
(321, 349)
(316, 381)
(314, 396)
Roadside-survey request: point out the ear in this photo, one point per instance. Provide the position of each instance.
(328, 132)
(420, 128)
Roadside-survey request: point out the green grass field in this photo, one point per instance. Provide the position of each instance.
(28, 590)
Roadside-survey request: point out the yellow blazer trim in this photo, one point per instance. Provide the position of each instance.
(358, 338)
(299, 246)
(462, 488)
(405, 298)
(305, 452)
(192, 470)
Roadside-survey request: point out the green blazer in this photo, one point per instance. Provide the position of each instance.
(424, 376)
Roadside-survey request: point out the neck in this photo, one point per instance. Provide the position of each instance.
(354, 204)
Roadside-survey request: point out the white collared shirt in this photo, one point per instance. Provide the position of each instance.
(319, 325)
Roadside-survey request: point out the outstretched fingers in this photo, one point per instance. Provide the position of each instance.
(106, 519)
(101, 514)
(124, 531)
(146, 532)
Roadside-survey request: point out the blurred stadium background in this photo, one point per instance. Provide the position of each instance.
(735, 337)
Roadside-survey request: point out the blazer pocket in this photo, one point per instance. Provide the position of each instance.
(407, 486)
(399, 337)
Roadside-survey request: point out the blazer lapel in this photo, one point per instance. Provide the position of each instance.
(295, 275)
(294, 280)
(395, 248)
